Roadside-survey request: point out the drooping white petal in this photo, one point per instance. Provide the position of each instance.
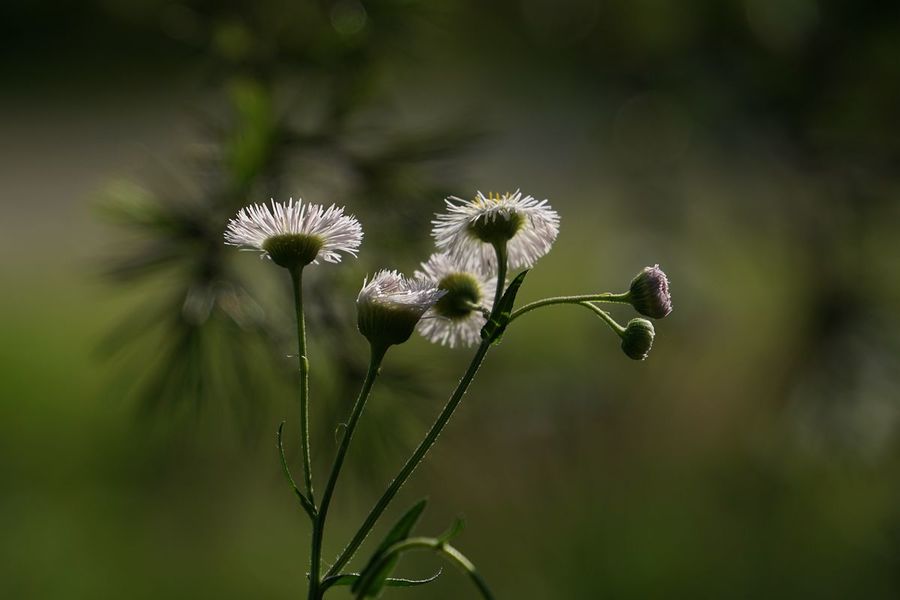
(392, 288)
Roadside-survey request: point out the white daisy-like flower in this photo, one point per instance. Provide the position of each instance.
(457, 317)
(470, 229)
(295, 234)
(389, 305)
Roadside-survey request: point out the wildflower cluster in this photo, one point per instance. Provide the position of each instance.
(459, 297)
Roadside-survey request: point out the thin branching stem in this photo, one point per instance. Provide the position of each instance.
(297, 280)
(581, 299)
(606, 317)
(430, 438)
(500, 250)
(377, 356)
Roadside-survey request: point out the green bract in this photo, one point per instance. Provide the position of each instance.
(293, 250)
(497, 228)
(385, 324)
(463, 292)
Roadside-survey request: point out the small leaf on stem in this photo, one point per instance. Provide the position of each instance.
(376, 573)
(494, 328)
(351, 578)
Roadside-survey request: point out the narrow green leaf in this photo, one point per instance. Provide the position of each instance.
(340, 579)
(351, 578)
(494, 328)
(373, 577)
(454, 530)
(403, 527)
(304, 501)
(406, 582)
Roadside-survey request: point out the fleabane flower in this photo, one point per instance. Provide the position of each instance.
(457, 317)
(390, 305)
(295, 234)
(469, 230)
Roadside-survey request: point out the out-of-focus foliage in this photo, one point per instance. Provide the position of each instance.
(748, 146)
(298, 107)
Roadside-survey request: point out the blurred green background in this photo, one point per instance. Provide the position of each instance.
(748, 146)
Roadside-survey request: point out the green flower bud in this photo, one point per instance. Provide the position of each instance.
(637, 338)
(389, 307)
(649, 293)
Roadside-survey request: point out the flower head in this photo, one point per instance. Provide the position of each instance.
(469, 230)
(295, 234)
(637, 338)
(390, 305)
(649, 293)
(457, 317)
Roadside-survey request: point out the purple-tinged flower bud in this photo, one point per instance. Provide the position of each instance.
(637, 339)
(649, 293)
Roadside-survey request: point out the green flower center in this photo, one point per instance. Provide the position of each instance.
(498, 228)
(292, 250)
(463, 291)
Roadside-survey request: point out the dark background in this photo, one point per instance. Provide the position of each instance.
(749, 147)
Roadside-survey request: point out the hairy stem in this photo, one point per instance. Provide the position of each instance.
(500, 250)
(377, 356)
(581, 299)
(412, 462)
(430, 438)
(606, 317)
(297, 279)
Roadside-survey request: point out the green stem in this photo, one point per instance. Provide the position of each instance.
(297, 279)
(606, 297)
(464, 563)
(500, 250)
(377, 356)
(430, 437)
(606, 317)
(412, 462)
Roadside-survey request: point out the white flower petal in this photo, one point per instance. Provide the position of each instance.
(392, 288)
(463, 331)
(452, 230)
(256, 223)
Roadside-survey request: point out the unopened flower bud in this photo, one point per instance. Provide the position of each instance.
(637, 339)
(649, 293)
(389, 307)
